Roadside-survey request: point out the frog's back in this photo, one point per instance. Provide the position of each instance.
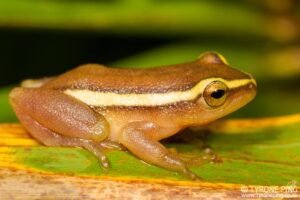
(159, 79)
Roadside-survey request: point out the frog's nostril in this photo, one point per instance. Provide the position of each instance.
(252, 89)
(251, 85)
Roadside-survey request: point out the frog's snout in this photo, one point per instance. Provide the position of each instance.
(252, 86)
(249, 91)
(240, 96)
(252, 89)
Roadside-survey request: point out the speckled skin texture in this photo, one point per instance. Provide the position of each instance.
(57, 119)
(160, 79)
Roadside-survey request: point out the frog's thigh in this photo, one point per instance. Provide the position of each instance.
(50, 138)
(60, 113)
(138, 138)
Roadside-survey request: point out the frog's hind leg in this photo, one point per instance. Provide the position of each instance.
(50, 138)
(60, 113)
(56, 119)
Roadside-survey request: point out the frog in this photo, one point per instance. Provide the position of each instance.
(96, 107)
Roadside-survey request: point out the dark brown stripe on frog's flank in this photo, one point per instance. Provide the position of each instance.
(180, 77)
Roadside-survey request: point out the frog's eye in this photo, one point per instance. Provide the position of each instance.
(215, 93)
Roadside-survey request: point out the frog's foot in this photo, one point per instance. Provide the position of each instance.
(140, 139)
(211, 156)
(199, 160)
(193, 160)
(198, 140)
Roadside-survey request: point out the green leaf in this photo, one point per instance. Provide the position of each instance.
(136, 17)
(268, 151)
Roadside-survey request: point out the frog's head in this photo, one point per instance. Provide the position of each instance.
(223, 90)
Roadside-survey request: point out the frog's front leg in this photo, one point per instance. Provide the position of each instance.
(141, 138)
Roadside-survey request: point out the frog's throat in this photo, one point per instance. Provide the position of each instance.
(98, 98)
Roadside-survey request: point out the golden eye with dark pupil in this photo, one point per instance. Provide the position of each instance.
(218, 94)
(215, 93)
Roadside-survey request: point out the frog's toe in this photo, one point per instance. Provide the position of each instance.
(96, 149)
(104, 162)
